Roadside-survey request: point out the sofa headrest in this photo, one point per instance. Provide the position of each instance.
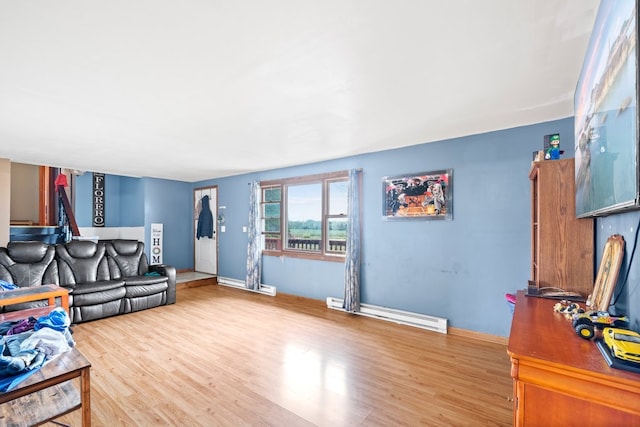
(125, 247)
(27, 252)
(82, 248)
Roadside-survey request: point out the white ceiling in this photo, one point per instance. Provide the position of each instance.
(198, 89)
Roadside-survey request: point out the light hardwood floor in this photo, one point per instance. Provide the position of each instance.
(223, 356)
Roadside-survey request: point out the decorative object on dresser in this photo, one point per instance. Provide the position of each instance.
(608, 272)
(620, 348)
(596, 315)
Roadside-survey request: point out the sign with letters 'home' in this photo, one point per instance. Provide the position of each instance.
(98, 199)
(156, 243)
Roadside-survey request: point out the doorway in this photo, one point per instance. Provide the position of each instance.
(205, 248)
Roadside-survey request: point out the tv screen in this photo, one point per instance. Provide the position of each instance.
(606, 114)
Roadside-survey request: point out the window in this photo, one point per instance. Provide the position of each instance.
(306, 216)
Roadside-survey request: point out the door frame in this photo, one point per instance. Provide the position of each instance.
(215, 224)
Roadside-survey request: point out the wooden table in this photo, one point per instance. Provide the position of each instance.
(33, 293)
(50, 393)
(562, 379)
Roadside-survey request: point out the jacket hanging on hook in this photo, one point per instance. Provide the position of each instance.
(205, 220)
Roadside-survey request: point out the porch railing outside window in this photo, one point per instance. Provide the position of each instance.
(305, 244)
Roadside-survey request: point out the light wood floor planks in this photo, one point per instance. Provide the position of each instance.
(222, 356)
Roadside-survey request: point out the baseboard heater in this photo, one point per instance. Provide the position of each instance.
(423, 321)
(233, 283)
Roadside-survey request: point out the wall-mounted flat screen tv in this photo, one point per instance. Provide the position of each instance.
(606, 114)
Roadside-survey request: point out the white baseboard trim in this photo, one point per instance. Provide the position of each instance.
(233, 283)
(432, 323)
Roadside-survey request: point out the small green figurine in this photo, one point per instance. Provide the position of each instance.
(553, 152)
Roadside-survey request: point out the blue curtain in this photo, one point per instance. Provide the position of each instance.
(254, 254)
(352, 257)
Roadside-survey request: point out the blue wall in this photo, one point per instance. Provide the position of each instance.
(459, 269)
(140, 202)
(124, 201)
(170, 203)
(131, 202)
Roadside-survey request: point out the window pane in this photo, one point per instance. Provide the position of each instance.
(271, 225)
(271, 194)
(271, 210)
(304, 217)
(337, 241)
(338, 197)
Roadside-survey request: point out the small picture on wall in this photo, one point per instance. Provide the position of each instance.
(423, 195)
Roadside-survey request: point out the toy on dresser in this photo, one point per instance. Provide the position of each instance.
(619, 345)
(553, 151)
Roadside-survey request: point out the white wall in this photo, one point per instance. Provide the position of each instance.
(107, 233)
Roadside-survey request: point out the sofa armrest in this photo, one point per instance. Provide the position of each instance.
(170, 272)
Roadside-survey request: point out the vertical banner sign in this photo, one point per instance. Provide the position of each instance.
(156, 244)
(98, 199)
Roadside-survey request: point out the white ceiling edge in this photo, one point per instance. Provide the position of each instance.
(196, 90)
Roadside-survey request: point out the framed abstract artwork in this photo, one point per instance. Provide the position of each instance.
(422, 195)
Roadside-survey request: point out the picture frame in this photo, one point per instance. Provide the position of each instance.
(608, 272)
(422, 195)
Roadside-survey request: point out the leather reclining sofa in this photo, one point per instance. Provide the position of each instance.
(104, 278)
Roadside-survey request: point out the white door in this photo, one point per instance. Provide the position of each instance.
(206, 249)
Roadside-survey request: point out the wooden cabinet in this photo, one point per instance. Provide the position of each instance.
(561, 244)
(560, 379)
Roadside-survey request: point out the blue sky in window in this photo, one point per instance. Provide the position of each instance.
(305, 201)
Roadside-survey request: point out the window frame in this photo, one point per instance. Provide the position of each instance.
(324, 179)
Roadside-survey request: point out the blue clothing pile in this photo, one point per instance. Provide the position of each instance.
(26, 345)
(6, 286)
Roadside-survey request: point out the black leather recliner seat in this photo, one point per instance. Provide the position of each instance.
(28, 264)
(144, 287)
(84, 270)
